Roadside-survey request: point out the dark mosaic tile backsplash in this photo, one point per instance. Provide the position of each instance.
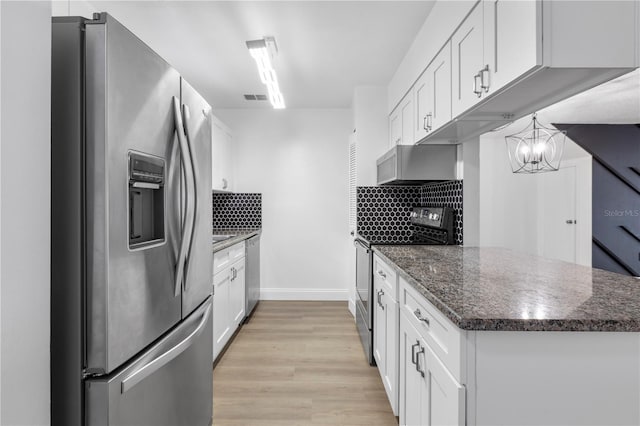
(383, 211)
(237, 211)
(447, 194)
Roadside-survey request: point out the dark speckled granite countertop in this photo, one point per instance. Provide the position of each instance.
(239, 235)
(500, 289)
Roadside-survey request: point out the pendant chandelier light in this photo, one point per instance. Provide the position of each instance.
(536, 148)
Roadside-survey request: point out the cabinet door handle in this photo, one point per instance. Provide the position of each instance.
(419, 316)
(430, 121)
(233, 273)
(477, 82)
(485, 81)
(224, 183)
(424, 124)
(413, 351)
(398, 141)
(380, 294)
(382, 274)
(421, 351)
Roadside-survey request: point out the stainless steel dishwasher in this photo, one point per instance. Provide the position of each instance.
(252, 280)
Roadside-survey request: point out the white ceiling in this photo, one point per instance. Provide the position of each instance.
(614, 102)
(326, 48)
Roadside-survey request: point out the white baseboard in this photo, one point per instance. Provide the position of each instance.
(352, 307)
(304, 294)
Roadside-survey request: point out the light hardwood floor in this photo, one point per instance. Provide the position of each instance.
(298, 363)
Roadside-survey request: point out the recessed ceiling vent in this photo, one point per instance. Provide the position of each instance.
(255, 97)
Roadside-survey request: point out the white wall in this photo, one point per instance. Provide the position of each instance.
(508, 201)
(469, 171)
(25, 81)
(73, 8)
(370, 121)
(298, 160)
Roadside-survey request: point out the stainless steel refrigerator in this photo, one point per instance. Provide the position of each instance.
(131, 265)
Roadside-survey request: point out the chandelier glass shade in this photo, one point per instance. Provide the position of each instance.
(535, 149)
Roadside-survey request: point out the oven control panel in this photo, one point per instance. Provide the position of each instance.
(428, 216)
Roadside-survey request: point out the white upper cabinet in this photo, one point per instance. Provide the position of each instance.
(497, 43)
(432, 95)
(468, 60)
(221, 156)
(512, 58)
(512, 41)
(421, 101)
(401, 123)
(395, 128)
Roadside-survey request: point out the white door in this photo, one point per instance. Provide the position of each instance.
(557, 195)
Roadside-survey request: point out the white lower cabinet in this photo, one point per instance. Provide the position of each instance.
(228, 294)
(385, 341)
(385, 327)
(237, 293)
(221, 325)
(450, 376)
(431, 380)
(429, 394)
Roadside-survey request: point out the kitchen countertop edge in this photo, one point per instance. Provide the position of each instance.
(242, 235)
(443, 308)
(510, 324)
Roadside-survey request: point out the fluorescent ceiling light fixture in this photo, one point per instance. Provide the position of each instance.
(263, 51)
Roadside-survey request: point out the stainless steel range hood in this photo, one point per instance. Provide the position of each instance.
(416, 164)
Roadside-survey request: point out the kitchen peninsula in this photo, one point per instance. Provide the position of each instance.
(493, 336)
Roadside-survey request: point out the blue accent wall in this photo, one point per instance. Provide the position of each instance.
(616, 193)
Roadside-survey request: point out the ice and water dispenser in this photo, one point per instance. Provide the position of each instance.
(146, 200)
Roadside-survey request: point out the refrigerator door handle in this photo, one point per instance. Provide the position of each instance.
(194, 193)
(159, 361)
(187, 229)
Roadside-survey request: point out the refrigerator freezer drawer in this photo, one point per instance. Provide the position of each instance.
(169, 384)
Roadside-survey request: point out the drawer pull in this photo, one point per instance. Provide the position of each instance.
(382, 274)
(419, 316)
